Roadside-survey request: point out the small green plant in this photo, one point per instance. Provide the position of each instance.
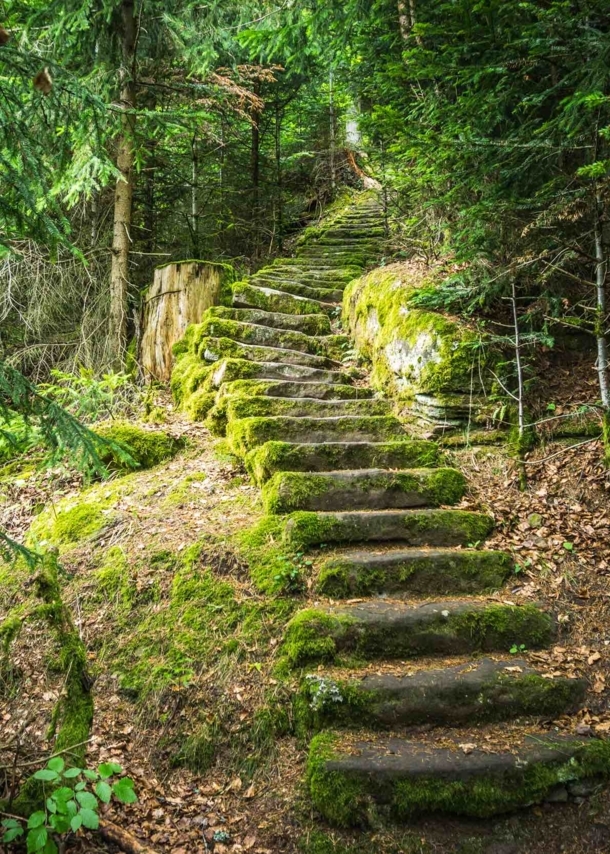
(93, 398)
(290, 576)
(569, 547)
(72, 799)
(517, 648)
(323, 692)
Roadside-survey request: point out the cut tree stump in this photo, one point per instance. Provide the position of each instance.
(179, 295)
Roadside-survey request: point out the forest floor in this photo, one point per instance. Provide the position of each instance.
(184, 647)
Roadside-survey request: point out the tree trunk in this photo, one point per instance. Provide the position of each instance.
(601, 305)
(255, 171)
(123, 198)
(279, 212)
(194, 199)
(332, 133)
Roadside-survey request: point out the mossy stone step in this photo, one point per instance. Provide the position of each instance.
(270, 299)
(264, 461)
(479, 691)
(247, 433)
(364, 489)
(306, 276)
(413, 527)
(236, 369)
(413, 571)
(286, 286)
(351, 779)
(347, 232)
(374, 629)
(308, 324)
(254, 333)
(251, 407)
(295, 390)
(213, 349)
(268, 336)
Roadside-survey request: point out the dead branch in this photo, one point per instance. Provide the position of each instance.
(124, 840)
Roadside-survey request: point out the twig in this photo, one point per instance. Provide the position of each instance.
(38, 761)
(563, 451)
(125, 841)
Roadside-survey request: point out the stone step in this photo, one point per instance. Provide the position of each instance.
(374, 629)
(294, 390)
(428, 572)
(308, 324)
(290, 287)
(471, 693)
(214, 349)
(404, 779)
(364, 489)
(358, 230)
(270, 299)
(412, 527)
(247, 433)
(256, 407)
(269, 336)
(321, 278)
(333, 256)
(264, 461)
(365, 245)
(239, 369)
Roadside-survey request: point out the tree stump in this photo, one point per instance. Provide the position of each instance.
(179, 295)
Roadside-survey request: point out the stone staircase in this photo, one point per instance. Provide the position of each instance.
(406, 715)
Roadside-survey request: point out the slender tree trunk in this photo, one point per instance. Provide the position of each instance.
(278, 175)
(255, 165)
(332, 133)
(601, 304)
(407, 19)
(194, 199)
(520, 390)
(123, 198)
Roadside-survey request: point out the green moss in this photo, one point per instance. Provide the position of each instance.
(346, 800)
(314, 635)
(147, 447)
(198, 750)
(273, 567)
(454, 573)
(114, 579)
(340, 798)
(188, 375)
(199, 404)
(70, 525)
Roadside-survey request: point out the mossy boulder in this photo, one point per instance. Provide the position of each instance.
(147, 448)
(412, 351)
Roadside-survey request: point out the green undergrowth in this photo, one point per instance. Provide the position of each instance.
(74, 520)
(147, 448)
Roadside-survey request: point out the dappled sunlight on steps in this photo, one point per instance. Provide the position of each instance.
(338, 468)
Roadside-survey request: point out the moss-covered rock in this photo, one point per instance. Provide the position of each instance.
(392, 630)
(349, 784)
(481, 691)
(147, 448)
(264, 461)
(412, 527)
(414, 571)
(412, 351)
(371, 489)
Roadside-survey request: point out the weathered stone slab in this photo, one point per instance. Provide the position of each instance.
(404, 778)
(364, 489)
(414, 571)
(377, 629)
(478, 691)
